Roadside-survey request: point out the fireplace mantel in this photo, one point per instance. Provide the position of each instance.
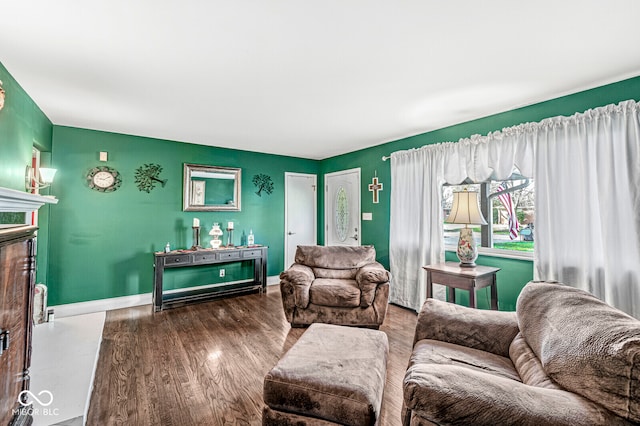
(19, 201)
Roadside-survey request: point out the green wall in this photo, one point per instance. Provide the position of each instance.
(102, 243)
(515, 273)
(23, 125)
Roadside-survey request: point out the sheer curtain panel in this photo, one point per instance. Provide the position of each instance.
(587, 172)
(588, 203)
(416, 236)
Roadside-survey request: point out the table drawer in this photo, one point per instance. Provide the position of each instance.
(229, 255)
(179, 259)
(204, 257)
(252, 254)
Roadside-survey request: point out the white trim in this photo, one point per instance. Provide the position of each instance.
(273, 280)
(19, 201)
(80, 308)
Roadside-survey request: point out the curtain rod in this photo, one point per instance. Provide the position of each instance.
(385, 158)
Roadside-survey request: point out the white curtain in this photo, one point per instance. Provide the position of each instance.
(416, 237)
(587, 171)
(588, 203)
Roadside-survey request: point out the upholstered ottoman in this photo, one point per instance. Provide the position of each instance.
(332, 375)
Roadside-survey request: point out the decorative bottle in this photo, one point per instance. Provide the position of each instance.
(250, 238)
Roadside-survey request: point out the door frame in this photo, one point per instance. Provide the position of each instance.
(327, 205)
(286, 211)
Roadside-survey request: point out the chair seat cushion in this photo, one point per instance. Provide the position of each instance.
(332, 372)
(441, 353)
(335, 292)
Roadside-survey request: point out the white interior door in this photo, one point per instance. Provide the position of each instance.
(300, 213)
(342, 208)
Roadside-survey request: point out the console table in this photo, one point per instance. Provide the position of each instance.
(194, 258)
(455, 276)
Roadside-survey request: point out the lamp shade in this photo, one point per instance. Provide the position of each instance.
(47, 174)
(466, 209)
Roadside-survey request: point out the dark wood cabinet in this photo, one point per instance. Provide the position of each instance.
(17, 275)
(187, 258)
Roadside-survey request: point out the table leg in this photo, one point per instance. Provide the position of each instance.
(472, 294)
(494, 294)
(429, 286)
(452, 295)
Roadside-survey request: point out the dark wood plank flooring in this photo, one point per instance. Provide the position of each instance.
(204, 364)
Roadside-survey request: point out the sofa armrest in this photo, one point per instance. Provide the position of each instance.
(300, 278)
(455, 395)
(490, 331)
(368, 278)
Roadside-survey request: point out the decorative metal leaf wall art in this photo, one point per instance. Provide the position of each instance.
(263, 183)
(148, 176)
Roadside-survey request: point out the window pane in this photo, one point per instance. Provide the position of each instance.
(511, 219)
(513, 232)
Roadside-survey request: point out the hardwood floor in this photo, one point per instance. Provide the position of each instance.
(204, 364)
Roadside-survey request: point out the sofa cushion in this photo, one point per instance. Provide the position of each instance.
(331, 292)
(457, 395)
(442, 353)
(335, 257)
(583, 344)
(346, 274)
(528, 365)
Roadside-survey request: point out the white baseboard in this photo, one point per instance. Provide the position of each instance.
(273, 280)
(80, 308)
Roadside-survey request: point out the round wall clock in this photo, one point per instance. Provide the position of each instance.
(104, 179)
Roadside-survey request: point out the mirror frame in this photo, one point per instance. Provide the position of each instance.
(186, 188)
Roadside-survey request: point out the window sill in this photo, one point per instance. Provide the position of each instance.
(507, 254)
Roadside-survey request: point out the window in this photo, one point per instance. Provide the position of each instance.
(499, 200)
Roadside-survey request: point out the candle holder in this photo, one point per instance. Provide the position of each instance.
(229, 237)
(196, 238)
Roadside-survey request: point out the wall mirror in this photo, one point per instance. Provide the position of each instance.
(211, 188)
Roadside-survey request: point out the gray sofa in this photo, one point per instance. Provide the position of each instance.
(563, 358)
(340, 285)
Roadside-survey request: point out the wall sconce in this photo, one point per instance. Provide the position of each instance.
(1, 96)
(38, 178)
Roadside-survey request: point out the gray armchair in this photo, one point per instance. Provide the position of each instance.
(340, 285)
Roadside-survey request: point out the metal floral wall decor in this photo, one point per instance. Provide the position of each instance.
(263, 183)
(148, 175)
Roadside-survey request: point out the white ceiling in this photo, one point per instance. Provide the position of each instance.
(309, 79)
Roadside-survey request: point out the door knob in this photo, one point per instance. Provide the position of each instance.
(290, 233)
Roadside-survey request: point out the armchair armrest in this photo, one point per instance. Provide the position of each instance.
(490, 331)
(368, 278)
(299, 277)
(455, 395)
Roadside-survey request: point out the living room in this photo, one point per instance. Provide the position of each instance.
(95, 249)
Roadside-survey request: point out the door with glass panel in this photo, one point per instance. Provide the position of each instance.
(342, 208)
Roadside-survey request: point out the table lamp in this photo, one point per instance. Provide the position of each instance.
(466, 211)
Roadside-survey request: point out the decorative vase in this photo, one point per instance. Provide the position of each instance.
(467, 250)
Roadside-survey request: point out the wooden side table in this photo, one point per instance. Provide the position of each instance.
(454, 276)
